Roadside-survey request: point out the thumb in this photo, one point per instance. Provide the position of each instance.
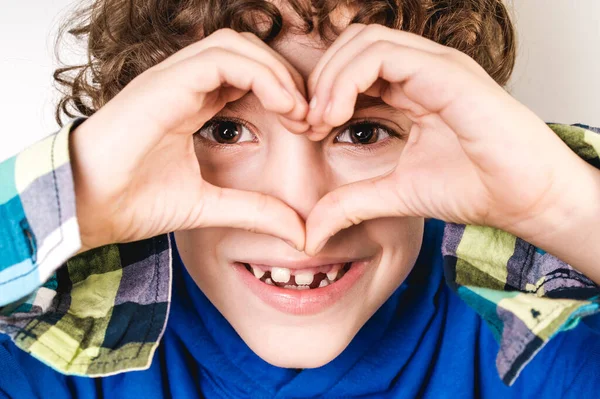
(252, 211)
(352, 204)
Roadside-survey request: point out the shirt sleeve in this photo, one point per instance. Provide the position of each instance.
(525, 295)
(93, 314)
(38, 223)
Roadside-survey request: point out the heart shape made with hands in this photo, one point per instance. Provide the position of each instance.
(470, 154)
(474, 154)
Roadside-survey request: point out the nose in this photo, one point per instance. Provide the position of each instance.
(296, 172)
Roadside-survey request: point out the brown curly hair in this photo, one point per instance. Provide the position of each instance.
(126, 37)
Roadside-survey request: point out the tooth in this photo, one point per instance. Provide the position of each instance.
(305, 278)
(323, 283)
(332, 275)
(303, 287)
(258, 273)
(269, 281)
(291, 287)
(280, 274)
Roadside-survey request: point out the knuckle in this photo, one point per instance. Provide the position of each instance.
(382, 45)
(251, 36)
(225, 34)
(375, 30)
(211, 52)
(284, 73)
(457, 55)
(204, 206)
(262, 70)
(340, 204)
(356, 27)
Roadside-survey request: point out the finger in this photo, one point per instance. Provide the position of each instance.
(357, 44)
(357, 37)
(214, 67)
(381, 61)
(297, 127)
(252, 211)
(301, 110)
(350, 205)
(423, 83)
(296, 76)
(348, 34)
(318, 133)
(231, 94)
(250, 46)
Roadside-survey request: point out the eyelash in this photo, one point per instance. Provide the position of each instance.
(393, 133)
(220, 146)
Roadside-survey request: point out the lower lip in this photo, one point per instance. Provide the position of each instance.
(302, 302)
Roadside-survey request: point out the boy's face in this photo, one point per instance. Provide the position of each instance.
(285, 326)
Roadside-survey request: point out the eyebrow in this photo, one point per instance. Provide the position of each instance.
(242, 105)
(362, 102)
(367, 102)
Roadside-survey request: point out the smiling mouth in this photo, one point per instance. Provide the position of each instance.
(299, 279)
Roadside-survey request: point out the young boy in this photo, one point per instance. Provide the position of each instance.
(250, 188)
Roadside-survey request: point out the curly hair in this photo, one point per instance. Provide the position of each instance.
(126, 37)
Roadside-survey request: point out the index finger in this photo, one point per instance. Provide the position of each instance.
(252, 211)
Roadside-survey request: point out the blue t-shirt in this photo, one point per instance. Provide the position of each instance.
(423, 342)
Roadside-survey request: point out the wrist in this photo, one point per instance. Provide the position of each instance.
(569, 226)
(89, 226)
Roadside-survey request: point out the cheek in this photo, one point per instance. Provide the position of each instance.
(350, 166)
(400, 240)
(238, 169)
(199, 252)
(396, 234)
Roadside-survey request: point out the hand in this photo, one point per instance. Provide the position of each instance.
(135, 169)
(475, 155)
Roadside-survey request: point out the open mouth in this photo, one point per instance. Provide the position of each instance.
(299, 279)
(306, 288)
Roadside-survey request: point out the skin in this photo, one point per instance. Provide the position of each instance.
(502, 165)
(135, 169)
(294, 191)
(299, 171)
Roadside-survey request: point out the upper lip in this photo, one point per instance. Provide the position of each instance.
(298, 263)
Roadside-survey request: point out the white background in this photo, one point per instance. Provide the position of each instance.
(557, 73)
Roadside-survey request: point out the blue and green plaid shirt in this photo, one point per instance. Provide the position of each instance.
(104, 311)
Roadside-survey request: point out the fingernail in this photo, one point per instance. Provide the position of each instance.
(313, 102)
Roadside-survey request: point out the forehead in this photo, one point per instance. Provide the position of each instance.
(302, 51)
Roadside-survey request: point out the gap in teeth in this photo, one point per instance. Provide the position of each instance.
(301, 281)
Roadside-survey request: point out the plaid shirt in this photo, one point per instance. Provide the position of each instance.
(104, 311)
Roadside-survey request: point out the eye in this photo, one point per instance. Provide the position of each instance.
(226, 132)
(364, 133)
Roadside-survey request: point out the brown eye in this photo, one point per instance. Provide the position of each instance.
(363, 133)
(226, 132)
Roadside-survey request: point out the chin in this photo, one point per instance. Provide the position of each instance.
(295, 348)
